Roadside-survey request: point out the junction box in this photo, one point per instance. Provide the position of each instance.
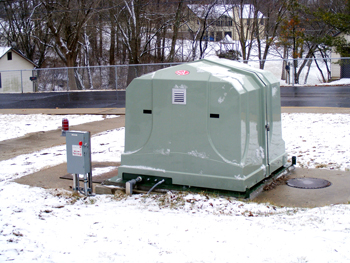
(78, 147)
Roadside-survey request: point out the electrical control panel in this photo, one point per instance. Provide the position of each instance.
(78, 145)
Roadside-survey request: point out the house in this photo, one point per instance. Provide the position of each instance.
(340, 68)
(15, 71)
(222, 20)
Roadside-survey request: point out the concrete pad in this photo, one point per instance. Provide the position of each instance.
(281, 195)
(284, 195)
(50, 178)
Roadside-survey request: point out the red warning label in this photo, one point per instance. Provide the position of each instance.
(77, 150)
(182, 72)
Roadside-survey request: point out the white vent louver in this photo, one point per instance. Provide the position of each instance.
(179, 96)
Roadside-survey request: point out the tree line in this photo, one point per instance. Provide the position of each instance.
(75, 33)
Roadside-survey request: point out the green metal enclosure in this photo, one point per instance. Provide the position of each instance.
(212, 123)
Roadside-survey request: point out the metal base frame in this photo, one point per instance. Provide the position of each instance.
(87, 189)
(149, 181)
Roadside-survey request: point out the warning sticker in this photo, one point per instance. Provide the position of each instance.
(77, 150)
(182, 72)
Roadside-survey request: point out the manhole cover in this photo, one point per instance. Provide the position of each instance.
(308, 183)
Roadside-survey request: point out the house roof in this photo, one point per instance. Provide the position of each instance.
(4, 50)
(227, 40)
(226, 10)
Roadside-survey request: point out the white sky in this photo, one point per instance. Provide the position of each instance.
(52, 226)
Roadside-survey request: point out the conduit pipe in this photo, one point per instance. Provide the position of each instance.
(129, 185)
(154, 186)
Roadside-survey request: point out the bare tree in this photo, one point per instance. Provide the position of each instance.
(23, 29)
(177, 24)
(207, 20)
(66, 20)
(267, 25)
(245, 21)
(200, 19)
(306, 35)
(129, 25)
(144, 27)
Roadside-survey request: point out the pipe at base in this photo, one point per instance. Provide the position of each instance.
(129, 185)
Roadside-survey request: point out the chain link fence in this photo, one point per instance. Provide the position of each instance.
(291, 72)
(91, 78)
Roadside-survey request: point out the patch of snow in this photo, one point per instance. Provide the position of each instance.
(262, 154)
(221, 99)
(182, 86)
(96, 171)
(318, 140)
(25, 124)
(131, 152)
(195, 153)
(340, 82)
(227, 39)
(163, 152)
(259, 154)
(102, 170)
(274, 91)
(3, 51)
(225, 74)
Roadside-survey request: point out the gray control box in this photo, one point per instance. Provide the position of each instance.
(78, 145)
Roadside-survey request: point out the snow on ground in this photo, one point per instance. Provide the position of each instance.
(318, 140)
(24, 124)
(340, 82)
(57, 226)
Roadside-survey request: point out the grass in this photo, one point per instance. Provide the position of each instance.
(321, 165)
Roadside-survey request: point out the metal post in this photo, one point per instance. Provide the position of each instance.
(76, 182)
(86, 190)
(90, 185)
(34, 81)
(67, 79)
(116, 79)
(295, 71)
(53, 82)
(293, 74)
(21, 82)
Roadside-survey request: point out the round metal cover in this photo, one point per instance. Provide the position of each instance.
(308, 183)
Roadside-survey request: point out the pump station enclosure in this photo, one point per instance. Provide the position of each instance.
(212, 123)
